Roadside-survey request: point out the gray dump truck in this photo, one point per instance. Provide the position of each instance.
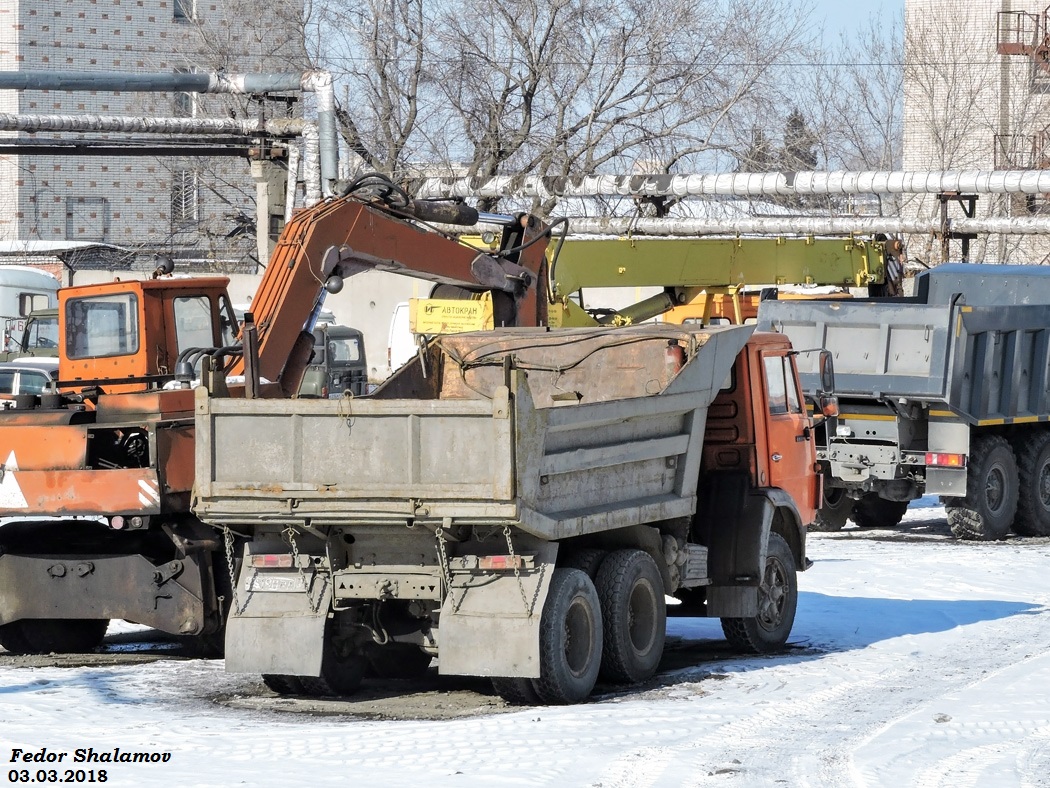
(943, 393)
(516, 503)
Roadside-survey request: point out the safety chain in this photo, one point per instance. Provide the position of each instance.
(446, 571)
(227, 536)
(289, 534)
(517, 572)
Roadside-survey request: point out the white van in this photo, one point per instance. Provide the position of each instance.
(22, 290)
(401, 344)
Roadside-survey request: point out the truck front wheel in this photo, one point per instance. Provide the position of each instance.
(53, 635)
(988, 510)
(634, 617)
(834, 510)
(1033, 473)
(570, 639)
(871, 511)
(777, 599)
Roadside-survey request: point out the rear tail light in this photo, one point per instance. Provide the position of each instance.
(500, 562)
(271, 561)
(942, 460)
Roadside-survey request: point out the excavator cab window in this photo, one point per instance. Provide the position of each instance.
(193, 322)
(101, 326)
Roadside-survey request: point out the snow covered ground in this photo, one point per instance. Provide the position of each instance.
(917, 660)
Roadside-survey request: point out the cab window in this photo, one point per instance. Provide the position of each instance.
(102, 326)
(780, 385)
(344, 350)
(193, 326)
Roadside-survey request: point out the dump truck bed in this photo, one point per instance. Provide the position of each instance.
(560, 433)
(984, 361)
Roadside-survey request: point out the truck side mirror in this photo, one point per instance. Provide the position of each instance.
(827, 373)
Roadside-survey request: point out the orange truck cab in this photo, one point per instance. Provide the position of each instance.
(134, 331)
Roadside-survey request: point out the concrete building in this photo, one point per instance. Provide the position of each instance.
(976, 96)
(201, 209)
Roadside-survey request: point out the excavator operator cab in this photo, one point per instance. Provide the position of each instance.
(127, 336)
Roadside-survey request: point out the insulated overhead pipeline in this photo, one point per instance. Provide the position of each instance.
(279, 127)
(810, 225)
(315, 81)
(743, 184)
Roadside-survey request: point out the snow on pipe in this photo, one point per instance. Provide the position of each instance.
(315, 81)
(807, 225)
(744, 184)
(279, 127)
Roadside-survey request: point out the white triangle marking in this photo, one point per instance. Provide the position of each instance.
(11, 496)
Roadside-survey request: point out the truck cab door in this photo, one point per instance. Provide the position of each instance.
(790, 454)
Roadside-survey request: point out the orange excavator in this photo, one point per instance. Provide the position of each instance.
(96, 475)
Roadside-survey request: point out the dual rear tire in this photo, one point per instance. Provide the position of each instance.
(612, 626)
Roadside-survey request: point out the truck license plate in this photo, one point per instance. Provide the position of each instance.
(279, 582)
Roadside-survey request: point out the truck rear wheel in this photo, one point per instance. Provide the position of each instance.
(835, 507)
(777, 599)
(53, 635)
(341, 671)
(587, 560)
(871, 511)
(570, 639)
(988, 510)
(282, 684)
(634, 617)
(516, 691)
(1033, 474)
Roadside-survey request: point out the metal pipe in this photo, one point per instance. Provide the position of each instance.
(315, 81)
(280, 127)
(744, 184)
(807, 225)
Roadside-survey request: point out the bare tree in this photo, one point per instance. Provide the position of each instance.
(378, 52)
(574, 86)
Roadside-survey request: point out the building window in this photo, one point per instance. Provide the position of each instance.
(184, 10)
(87, 218)
(185, 199)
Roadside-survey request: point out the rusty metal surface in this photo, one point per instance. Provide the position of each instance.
(167, 596)
(85, 492)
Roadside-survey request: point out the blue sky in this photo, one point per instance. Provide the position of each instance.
(848, 15)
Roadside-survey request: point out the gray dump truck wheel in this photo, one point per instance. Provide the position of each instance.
(516, 691)
(1033, 474)
(834, 510)
(283, 685)
(341, 671)
(634, 617)
(988, 510)
(53, 635)
(587, 560)
(777, 600)
(570, 639)
(871, 511)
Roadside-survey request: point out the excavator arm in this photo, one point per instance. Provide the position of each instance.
(330, 241)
